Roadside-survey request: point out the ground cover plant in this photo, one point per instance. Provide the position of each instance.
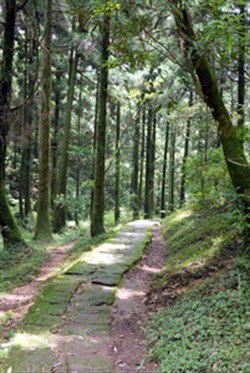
(203, 325)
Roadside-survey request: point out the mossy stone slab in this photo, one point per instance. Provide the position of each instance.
(96, 295)
(77, 345)
(48, 308)
(81, 268)
(41, 319)
(87, 364)
(89, 317)
(86, 329)
(30, 361)
(107, 277)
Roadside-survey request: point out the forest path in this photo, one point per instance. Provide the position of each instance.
(19, 300)
(69, 327)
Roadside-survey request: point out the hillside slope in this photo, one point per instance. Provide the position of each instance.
(204, 290)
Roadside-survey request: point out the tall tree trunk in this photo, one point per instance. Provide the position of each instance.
(56, 125)
(186, 151)
(25, 172)
(241, 70)
(140, 199)
(236, 161)
(9, 229)
(43, 224)
(152, 176)
(135, 172)
(149, 164)
(97, 218)
(78, 167)
(171, 169)
(59, 220)
(117, 164)
(94, 140)
(164, 172)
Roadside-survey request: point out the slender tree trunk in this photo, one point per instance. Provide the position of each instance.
(9, 229)
(149, 165)
(59, 220)
(43, 224)
(25, 171)
(94, 140)
(237, 164)
(186, 152)
(140, 199)
(164, 172)
(135, 172)
(56, 125)
(152, 176)
(117, 164)
(78, 167)
(97, 218)
(171, 169)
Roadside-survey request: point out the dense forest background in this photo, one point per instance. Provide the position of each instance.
(134, 107)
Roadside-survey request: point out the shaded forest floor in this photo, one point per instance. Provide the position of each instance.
(68, 326)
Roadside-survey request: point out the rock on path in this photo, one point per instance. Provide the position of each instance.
(67, 329)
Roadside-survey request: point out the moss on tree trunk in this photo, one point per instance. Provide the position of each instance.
(43, 224)
(236, 161)
(9, 229)
(97, 216)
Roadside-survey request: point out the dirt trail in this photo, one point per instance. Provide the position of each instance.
(21, 298)
(131, 311)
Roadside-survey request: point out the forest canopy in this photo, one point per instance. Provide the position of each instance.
(131, 106)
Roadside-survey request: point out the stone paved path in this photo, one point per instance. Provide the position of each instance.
(67, 329)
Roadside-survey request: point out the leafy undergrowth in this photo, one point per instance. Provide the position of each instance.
(19, 268)
(204, 324)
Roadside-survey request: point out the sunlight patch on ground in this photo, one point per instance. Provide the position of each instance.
(102, 254)
(101, 258)
(182, 215)
(125, 293)
(150, 269)
(31, 341)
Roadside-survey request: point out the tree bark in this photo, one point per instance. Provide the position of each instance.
(241, 71)
(56, 126)
(43, 224)
(186, 152)
(117, 164)
(97, 218)
(78, 166)
(9, 229)
(94, 140)
(164, 172)
(149, 182)
(171, 169)
(59, 221)
(142, 157)
(135, 174)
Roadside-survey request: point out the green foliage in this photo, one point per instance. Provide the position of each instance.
(207, 329)
(208, 181)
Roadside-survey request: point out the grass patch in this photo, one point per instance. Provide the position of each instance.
(203, 325)
(193, 237)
